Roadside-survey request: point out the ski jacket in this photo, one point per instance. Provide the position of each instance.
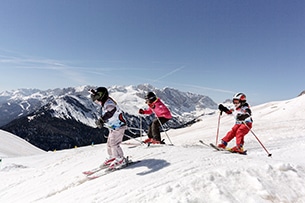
(112, 115)
(159, 108)
(241, 113)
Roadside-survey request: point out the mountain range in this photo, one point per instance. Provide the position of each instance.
(64, 118)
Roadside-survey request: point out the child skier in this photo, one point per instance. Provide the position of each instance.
(112, 118)
(162, 114)
(242, 114)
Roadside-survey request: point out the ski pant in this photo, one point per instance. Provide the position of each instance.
(154, 128)
(115, 138)
(238, 131)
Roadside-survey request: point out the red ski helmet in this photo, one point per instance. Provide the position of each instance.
(241, 97)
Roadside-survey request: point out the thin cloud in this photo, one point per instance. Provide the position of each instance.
(22, 62)
(29, 63)
(209, 88)
(168, 74)
(191, 85)
(201, 87)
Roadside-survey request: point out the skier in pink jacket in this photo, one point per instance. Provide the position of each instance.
(162, 114)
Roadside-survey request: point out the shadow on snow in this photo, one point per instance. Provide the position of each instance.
(153, 165)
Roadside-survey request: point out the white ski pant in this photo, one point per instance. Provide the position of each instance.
(115, 138)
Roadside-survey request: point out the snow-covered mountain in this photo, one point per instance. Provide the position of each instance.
(74, 103)
(186, 172)
(64, 118)
(18, 103)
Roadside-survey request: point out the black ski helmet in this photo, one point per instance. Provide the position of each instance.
(100, 94)
(150, 97)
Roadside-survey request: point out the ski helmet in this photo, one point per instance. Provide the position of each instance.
(150, 97)
(241, 97)
(100, 94)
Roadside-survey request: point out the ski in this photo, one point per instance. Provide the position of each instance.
(134, 145)
(101, 173)
(162, 143)
(204, 143)
(217, 148)
(228, 150)
(149, 144)
(107, 171)
(94, 170)
(220, 149)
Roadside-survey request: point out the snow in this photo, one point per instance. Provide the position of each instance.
(185, 172)
(12, 146)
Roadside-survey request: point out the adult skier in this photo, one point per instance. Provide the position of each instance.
(112, 117)
(162, 115)
(242, 114)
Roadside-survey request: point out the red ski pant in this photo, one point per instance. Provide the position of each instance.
(238, 131)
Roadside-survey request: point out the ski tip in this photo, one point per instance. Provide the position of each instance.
(92, 177)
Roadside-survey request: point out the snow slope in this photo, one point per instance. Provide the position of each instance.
(186, 172)
(12, 145)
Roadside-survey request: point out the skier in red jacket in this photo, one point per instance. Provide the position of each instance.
(242, 114)
(162, 114)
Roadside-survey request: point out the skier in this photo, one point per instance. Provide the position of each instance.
(162, 114)
(242, 114)
(112, 118)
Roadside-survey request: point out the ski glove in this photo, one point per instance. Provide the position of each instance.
(223, 108)
(100, 123)
(242, 117)
(141, 111)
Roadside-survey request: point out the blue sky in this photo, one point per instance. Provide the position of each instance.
(215, 48)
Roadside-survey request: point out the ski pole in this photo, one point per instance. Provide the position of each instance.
(133, 138)
(140, 127)
(134, 133)
(257, 139)
(164, 131)
(217, 133)
(162, 127)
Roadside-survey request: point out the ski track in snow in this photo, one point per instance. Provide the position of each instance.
(187, 172)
